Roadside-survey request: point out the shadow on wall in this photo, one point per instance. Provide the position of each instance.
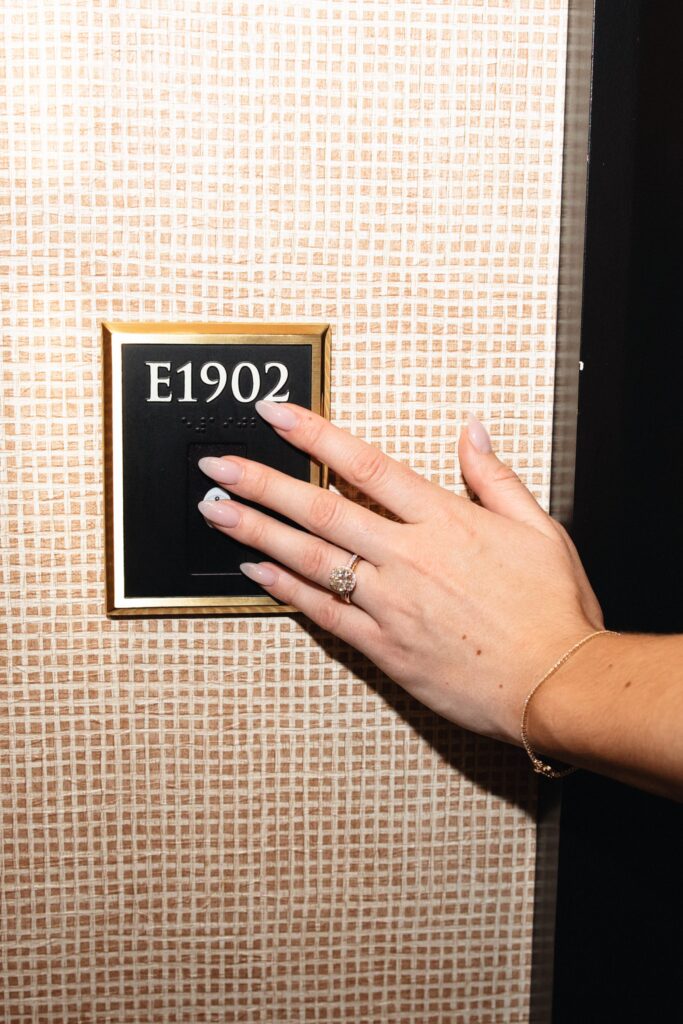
(496, 767)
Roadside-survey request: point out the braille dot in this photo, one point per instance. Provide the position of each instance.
(211, 419)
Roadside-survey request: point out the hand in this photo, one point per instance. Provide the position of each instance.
(463, 605)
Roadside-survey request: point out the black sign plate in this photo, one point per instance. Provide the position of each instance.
(174, 393)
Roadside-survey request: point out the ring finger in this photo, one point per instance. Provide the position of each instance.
(307, 555)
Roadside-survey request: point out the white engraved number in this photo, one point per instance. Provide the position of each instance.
(255, 382)
(216, 376)
(220, 381)
(284, 374)
(186, 370)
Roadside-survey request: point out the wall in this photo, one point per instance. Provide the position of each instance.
(222, 820)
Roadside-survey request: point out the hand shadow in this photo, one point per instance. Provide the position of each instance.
(500, 768)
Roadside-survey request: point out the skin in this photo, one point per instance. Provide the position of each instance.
(466, 606)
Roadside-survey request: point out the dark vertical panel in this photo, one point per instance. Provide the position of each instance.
(619, 939)
(572, 246)
(568, 344)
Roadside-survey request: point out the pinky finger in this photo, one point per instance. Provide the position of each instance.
(345, 621)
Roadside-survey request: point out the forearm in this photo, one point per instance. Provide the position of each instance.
(616, 707)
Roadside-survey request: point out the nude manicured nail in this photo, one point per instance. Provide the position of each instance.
(224, 513)
(478, 434)
(273, 413)
(221, 469)
(259, 573)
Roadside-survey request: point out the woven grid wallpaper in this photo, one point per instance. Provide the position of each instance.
(241, 820)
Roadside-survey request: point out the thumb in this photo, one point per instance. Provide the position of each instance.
(500, 490)
(496, 485)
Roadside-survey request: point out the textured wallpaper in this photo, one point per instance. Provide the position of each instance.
(240, 819)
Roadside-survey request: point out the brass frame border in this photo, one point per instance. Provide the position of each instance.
(114, 334)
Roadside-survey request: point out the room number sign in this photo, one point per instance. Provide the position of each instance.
(173, 393)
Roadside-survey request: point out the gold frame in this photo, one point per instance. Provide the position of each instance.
(114, 334)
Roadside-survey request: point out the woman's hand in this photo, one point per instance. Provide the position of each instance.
(465, 606)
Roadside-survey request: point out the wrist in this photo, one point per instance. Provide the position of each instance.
(616, 707)
(539, 672)
(569, 710)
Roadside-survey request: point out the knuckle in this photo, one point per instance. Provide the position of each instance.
(504, 474)
(446, 515)
(314, 560)
(288, 588)
(329, 615)
(457, 516)
(324, 511)
(257, 481)
(368, 466)
(563, 534)
(257, 529)
(467, 526)
(561, 530)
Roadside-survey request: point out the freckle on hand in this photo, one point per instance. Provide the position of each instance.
(464, 636)
(627, 683)
(478, 652)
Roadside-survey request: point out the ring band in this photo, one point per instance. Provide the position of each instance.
(343, 579)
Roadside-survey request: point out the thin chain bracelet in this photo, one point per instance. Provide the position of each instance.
(542, 767)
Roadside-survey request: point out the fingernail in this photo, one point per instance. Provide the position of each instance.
(478, 434)
(225, 470)
(273, 413)
(224, 513)
(259, 573)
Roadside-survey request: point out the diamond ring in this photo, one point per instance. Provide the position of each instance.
(343, 579)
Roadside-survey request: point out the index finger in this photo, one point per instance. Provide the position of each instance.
(395, 486)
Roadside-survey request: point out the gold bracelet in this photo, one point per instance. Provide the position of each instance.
(542, 767)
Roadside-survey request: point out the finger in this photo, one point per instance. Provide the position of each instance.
(497, 485)
(395, 486)
(346, 621)
(308, 556)
(321, 512)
